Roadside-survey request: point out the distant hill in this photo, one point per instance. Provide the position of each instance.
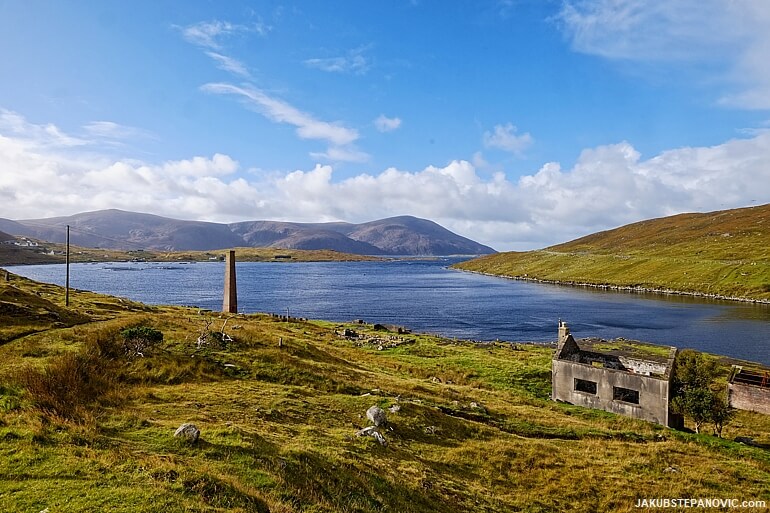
(725, 253)
(4, 237)
(117, 229)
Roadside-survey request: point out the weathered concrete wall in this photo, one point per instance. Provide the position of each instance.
(653, 392)
(749, 397)
(643, 366)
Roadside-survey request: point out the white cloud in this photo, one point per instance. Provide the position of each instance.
(505, 138)
(281, 112)
(229, 64)
(608, 186)
(208, 33)
(386, 124)
(731, 37)
(114, 131)
(354, 62)
(47, 135)
(342, 154)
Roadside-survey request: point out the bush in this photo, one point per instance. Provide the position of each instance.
(139, 339)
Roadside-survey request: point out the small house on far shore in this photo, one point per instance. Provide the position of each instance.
(619, 376)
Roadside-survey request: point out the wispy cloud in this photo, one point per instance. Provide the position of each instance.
(354, 62)
(505, 138)
(342, 154)
(115, 131)
(730, 38)
(386, 124)
(281, 112)
(340, 138)
(208, 33)
(229, 64)
(47, 135)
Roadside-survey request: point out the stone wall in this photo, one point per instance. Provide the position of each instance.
(653, 392)
(749, 397)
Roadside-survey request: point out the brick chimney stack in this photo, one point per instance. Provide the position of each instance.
(230, 304)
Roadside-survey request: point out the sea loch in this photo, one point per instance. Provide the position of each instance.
(426, 296)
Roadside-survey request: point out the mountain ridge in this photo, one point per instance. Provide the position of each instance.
(119, 229)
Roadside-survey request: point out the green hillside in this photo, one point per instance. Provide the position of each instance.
(87, 427)
(724, 253)
(54, 253)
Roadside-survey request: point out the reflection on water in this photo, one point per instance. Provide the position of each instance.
(426, 296)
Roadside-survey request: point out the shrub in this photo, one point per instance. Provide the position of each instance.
(139, 339)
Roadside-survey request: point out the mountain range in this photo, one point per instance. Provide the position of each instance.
(118, 229)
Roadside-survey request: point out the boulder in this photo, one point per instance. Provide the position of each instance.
(188, 432)
(376, 416)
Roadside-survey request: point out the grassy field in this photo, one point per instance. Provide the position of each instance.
(474, 431)
(52, 253)
(723, 253)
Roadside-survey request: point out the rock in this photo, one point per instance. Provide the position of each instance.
(376, 416)
(372, 431)
(671, 469)
(395, 408)
(381, 439)
(189, 432)
(745, 440)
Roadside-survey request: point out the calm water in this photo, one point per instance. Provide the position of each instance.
(428, 297)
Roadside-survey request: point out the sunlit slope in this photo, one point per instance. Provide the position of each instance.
(724, 253)
(470, 427)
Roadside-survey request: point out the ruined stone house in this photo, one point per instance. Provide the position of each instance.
(749, 390)
(617, 378)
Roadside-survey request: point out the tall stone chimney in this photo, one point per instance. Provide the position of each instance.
(230, 304)
(563, 332)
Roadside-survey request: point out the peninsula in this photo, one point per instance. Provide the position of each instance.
(720, 254)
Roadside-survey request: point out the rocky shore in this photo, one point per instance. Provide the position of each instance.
(626, 288)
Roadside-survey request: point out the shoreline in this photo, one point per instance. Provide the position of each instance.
(624, 288)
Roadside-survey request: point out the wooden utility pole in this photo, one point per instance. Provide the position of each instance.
(67, 279)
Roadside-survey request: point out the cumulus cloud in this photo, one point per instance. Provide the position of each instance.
(505, 138)
(608, 186)
(354, 62)
(730, 37)
(386, 124)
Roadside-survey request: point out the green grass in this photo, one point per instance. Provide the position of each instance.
(475, 430)
(55, 253)
(721, 253)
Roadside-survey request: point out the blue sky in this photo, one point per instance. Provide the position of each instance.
(517, 123)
